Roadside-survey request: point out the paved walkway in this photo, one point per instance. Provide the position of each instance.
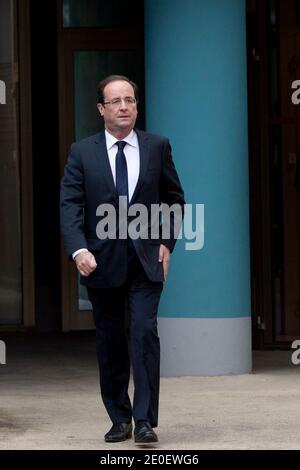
(49, 399)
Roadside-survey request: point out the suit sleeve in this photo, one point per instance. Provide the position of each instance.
(72, 202)
(172, 194)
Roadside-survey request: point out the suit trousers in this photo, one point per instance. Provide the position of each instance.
(139, 297)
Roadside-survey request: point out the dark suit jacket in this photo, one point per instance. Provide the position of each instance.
(88, 182)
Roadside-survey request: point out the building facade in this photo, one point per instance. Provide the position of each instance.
(215, 77)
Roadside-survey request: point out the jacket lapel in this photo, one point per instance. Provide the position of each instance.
(103, 161)
(143, 140)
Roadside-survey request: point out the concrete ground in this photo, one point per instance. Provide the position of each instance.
(49, 399)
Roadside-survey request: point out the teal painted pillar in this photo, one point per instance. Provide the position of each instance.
(196, 94)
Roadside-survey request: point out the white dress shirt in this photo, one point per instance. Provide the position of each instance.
(132, 154)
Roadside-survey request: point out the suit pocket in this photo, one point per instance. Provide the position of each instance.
(152, 176)
(95, 244)
(153, 171)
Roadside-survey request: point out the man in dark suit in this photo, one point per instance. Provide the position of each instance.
(122, 163)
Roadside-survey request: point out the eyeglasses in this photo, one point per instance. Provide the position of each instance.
(116, 102)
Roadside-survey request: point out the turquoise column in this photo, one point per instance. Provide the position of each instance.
(196, 94)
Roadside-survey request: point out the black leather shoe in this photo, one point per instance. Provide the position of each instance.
(119, 432)
(143, 433)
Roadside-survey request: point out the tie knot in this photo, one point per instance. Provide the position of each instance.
(121, 144)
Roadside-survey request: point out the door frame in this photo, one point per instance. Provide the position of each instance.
(260, 177)
(267, 291)
(25, 149)
(70, 40)
(23, 77)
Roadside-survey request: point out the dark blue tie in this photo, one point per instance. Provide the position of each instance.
(121, 170)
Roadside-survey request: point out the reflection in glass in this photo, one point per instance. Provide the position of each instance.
(102, 13)
(89, 68)
(10, 253)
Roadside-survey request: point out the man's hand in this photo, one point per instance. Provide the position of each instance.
(164, 258)
(85, 263)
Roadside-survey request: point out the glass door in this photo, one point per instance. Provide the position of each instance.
(10, 178)
(93, 42)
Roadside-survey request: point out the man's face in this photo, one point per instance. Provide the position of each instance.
(120, 118)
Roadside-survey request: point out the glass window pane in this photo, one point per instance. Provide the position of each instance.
(89, 68)
(10, 253)
(102, 13)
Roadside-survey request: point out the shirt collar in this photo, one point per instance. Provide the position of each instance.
(130, 139)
